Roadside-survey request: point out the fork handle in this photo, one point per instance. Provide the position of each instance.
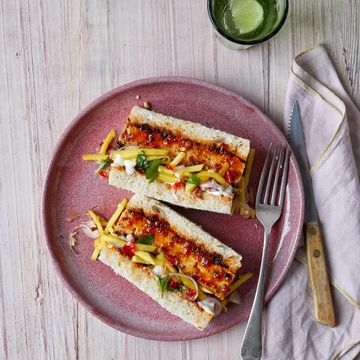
(324, 310)
(251, 348)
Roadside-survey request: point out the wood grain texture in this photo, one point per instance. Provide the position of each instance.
(55, 57)
(323, 304)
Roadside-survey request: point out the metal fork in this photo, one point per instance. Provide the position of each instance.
(269, 204)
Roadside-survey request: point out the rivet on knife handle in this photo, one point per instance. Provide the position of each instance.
(324, 310)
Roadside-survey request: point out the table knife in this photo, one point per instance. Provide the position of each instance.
(324, 311)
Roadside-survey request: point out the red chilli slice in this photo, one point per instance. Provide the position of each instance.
(129, 248)
(103, 174)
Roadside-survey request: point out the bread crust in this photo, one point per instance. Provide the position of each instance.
(193, 131)
(143, 279)
(141, 276)
(220, 203)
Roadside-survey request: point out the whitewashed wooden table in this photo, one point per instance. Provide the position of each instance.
(57, 56)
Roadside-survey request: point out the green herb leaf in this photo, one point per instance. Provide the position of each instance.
(104, 165)
(162, 282)
(147, 239)
(193, 180)
(152, 171)
(141, 161)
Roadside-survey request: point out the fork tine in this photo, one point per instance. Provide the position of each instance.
(284, 177)
(270, 175)
(262, 176)
(277, 174)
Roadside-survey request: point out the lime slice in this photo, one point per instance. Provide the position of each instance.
(248, 15)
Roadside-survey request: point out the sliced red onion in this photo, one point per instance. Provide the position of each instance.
(211, 184)
(211, 306)
(235, 297)
(88, 228)
(158, 271)
(72, 238)
(191, 279)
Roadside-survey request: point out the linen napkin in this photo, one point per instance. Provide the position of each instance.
(331, 124)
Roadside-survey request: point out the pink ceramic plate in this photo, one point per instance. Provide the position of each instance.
(72, 187)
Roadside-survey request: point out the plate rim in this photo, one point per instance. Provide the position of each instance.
(46, 189)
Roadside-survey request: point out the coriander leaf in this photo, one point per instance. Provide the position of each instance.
(147, 239)
(152, 171)
(162, 282)
(141, 161)
(104, 165)
(193, 180)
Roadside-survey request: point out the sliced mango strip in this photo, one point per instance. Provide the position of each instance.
(224, 169)
(145, 256)
(188, 283)
(96, 221)
(167, 178)
(95, 253)
(191, 169)
(145, 247)
(205, 290)
(177, 159)
(94, 157)
(110, 136)
(216, 176)
(139, 260)
(161, 260)
(133, 153)
(248, 167)
(190, 187)
(113, 240)
(202, 295)
(164, 170)
(164, 159)
(120, 208)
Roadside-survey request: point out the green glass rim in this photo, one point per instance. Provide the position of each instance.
(251, 42)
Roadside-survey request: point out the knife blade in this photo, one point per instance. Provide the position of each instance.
(323, 305)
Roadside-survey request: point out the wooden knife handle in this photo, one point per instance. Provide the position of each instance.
(324, 310)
